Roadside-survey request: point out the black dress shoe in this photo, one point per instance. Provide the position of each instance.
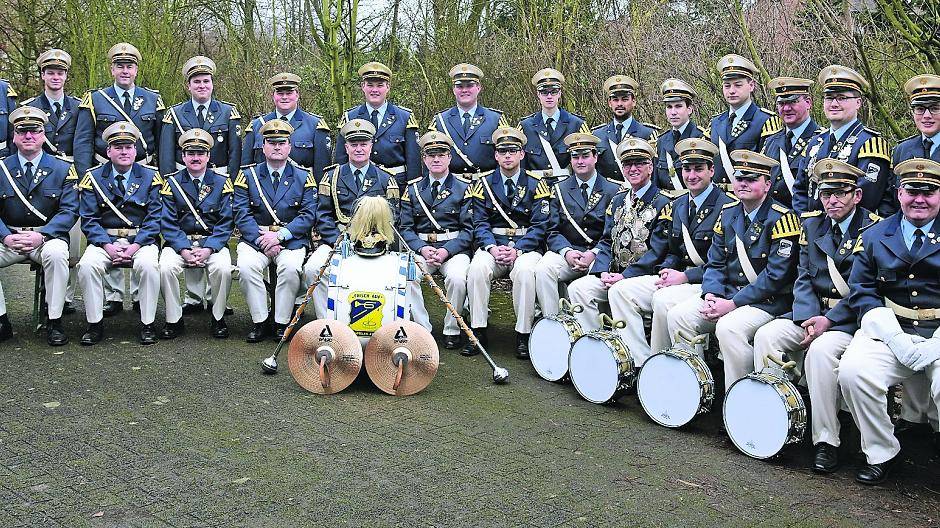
(219, 329)
(522, 345)
(229, 311)
(173, 330)
(112, 308)
(278, 331)
(259, 332)
(826, 459)
(148, 334)
(190, 309)
(453, 342)
(68, 308)
(6, 328)
(871, 474)
(904, 428)
(93, 334)
(136, 306)
(55, 335)
(471, 349)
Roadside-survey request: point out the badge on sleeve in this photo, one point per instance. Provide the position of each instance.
(545, 207)
(785, 248)
(871, 172)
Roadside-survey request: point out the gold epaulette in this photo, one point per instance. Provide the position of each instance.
(168, 118)
(227, 187)
(476, 190)
(810, 214)
(412, 122)
(415, 180)
(875, 147)
(771, 126)
(311, 181)
(321, 124)
(86, 101)
(157, 180)
(391, 191)
(730, 205)
(72, 174)
(788, 225)
(502, 120)
(241, 180)
(803, 241)
(858, 245)
(160, 105)
(874, 218)
(165, 190)
(534, 174)
(11, 92)
(666, 213)
(541, 191)
(779, 208)
(85, 184)
(718, 229)
(233, 114)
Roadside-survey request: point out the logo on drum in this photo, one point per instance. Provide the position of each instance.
(365, 312)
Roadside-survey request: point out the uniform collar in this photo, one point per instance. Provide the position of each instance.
(642, 191)
(382, 111)
(684, 126)
(627, 123)
(432, 179)
(556, 116)
(839, 132)
(127, 175)
(280, 171)
(846, 222)
(935, 139)
(197, 103)
(364, 169)
(290, 116)
(514, 178)
(472, 111)
(120, 92)
(907, 229)
(35, 161)
(798, 131)
(739, 113)
(591, 182)
(203, 177)
(753, 214)
(700, 199)
(52, 102)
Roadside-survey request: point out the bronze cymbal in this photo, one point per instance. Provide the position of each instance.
(325, 356)
(402, 358)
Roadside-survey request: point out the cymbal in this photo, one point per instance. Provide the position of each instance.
(402, 352)
(331, 343)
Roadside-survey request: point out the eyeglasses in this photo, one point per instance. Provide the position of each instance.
(934, 110)
(29, 131)
(840, 194)
(841, 99)
(510, 150)
(554, 91)
(635, 163)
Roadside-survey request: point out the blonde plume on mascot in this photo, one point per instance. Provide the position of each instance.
(370, 229)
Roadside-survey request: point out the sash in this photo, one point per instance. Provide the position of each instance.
(564, 209)
(126, 117)
(550, 154)
(176, 120)
(107, 201)
(189, 204)
(725, 158)
(19, 194)
(499, 208)
(694, 254)
(676, 184)
(264, 200)
(836, 277)
(785, 170)
(745, 260)
(424, 207)
(440, 121)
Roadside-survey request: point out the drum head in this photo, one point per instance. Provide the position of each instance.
(549, 347)
(756, 418)
(593, 370)
(669, 390)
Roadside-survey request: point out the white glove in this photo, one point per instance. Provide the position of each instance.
(925, 353)
(881, 324)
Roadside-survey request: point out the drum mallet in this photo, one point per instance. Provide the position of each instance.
(269, 364)
(500, 375)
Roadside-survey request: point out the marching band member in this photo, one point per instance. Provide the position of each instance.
(120, 210)
(339, 189)
(678, 98)
(510, 220)
(788, 145)
(436, 224)
(38, 206)
(395, 147)
(749, 272)
(196, 225)
(631, 219)
(678, 249)
(578, 214)
(923, 91)
(895, 295)
(545, 130)
(621, 99)
(275, 209)
(821, 322)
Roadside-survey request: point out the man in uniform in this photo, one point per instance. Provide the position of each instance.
(821, 323)
(630, 221)
(788, 145)
(310, 142)
(895, 294)
(510, 221)
(436, 223)
(923, 91)
(745, 126)
(621, 99)
(672, 270)
(468, 124)
(395, 147)
(275, 209)
(750, 268)
(101, 108)
(7, 105)
(340, 187)
(196, 225)
(120, 210)
(578, 214)
(679, 101)
(38, 206)
(545, 130)
(847, 139)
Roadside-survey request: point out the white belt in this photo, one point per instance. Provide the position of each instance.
(830, 302)
(509, 231)
(122, 233)
(395, 171)
(3, 144)
(196, 239)
(35, 228)
(923, 314)
(439, 237)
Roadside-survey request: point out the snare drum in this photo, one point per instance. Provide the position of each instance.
(675, 385)
(368, 292)
(764, 413)
(600, 366)
(550, 344)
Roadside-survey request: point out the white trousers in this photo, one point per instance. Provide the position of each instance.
(483, 269)
(630, 299)
(114, 285)
(551, 270)
(53, 255)
(735, 332)
(454, 270)
(251, 267)
(866, 370)
(218, 269)
(783, 336)
(95, 265)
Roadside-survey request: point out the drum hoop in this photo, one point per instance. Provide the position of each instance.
(706, 382)
(571, 327)
(796, 416)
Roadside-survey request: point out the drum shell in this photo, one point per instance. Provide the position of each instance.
(624, 373)
(794, 409)
(650, 378)
(551, 362)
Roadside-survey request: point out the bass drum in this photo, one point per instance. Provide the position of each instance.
(550, 345)
(368, 292)
(601, 367)
(675, 386)
(764, 413)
